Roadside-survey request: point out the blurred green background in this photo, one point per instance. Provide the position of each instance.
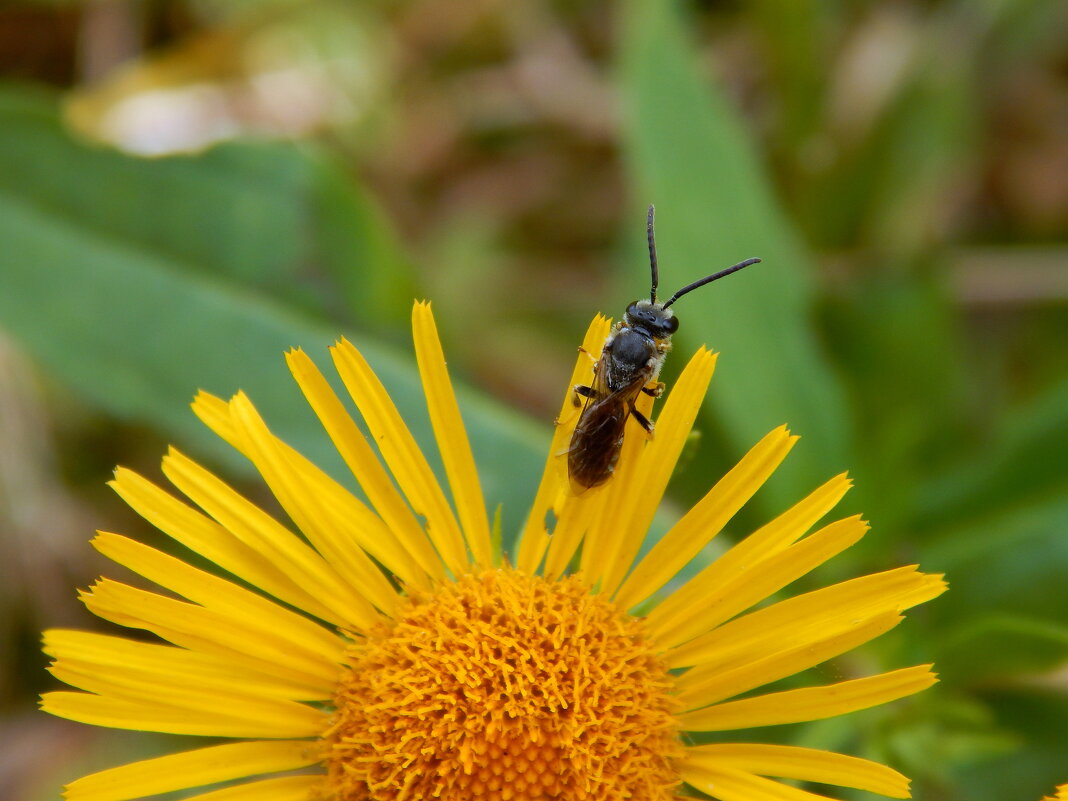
(189, 188)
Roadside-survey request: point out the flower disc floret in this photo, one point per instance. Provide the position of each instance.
(505, 686)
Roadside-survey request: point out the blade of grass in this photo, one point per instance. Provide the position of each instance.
(688, 154)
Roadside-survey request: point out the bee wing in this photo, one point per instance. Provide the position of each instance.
(599, 386)
(599, 435)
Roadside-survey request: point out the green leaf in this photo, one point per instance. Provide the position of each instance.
(794, 38)
(265, 215)
(895, 335)
(1006, 607)
(690, 156)
(357, 247)
(943, 732)
(1024, 460)
(1036, 716)
(998, 646)
(121, 318)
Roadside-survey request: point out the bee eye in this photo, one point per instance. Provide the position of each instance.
(672, 324)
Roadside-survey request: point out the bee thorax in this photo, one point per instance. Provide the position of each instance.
(630, 353)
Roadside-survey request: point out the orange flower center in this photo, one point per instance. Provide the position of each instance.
(504, 686)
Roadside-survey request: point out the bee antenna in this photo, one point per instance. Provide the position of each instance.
(652, 255)
(709, 279)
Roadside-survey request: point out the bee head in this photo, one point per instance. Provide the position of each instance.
(652, 318)
(656, 318)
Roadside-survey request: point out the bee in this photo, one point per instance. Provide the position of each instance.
(629, 364)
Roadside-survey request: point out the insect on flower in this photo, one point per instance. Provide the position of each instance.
(629, 364)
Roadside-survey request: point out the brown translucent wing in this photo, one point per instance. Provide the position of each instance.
(598, 435)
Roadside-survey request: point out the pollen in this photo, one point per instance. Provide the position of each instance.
(504, 686)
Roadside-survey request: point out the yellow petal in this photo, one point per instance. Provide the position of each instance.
(244, 607)
(800, 619)
(577, 513)
(401, 452)
(198, 701)
(634, 511)
(709, 687)
(810, 703)
(208, 631)
(728, 784)
(365, 466)
(350, 518)
(451, 435)
(706, 519)
(203, 535)
(553, 491)
(802, 764)
(749, 587)
(197, 768)
(132, 684)
(770, 539)
(302, 496)
(287, 788)
(275, 721)
(161, 665)
(261, 531)
(602, 540)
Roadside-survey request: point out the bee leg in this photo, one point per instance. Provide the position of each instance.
(656, 390)
(584, 391)
(590, 355)
(643, 421)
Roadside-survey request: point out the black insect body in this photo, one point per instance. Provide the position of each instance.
(629, 364)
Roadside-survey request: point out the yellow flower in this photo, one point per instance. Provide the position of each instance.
(1062, 794)
(386, 650)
